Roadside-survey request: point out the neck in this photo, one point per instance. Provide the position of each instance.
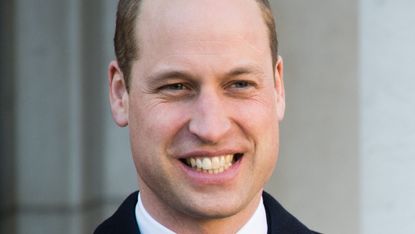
(180, 222)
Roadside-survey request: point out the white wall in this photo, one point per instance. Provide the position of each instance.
(387, 116)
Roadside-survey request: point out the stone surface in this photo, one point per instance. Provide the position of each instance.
(387, 110)
(317, 174)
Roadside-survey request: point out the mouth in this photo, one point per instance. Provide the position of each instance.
(212, 165)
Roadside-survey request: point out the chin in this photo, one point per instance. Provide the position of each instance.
(214, 207)
(215, 212)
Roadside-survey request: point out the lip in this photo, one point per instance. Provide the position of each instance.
(203, 153)
(200, 178)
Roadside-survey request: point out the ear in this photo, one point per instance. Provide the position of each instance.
(279, 87)
(118, 94)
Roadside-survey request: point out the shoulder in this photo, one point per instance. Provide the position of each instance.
(280, 220)
(123, 220)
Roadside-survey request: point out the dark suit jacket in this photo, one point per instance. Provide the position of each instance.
(279, 221)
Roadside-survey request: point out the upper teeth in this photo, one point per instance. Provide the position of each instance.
(211, 164)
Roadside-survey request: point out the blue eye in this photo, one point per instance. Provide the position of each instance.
(240, 84)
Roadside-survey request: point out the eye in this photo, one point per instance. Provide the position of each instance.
(240, 84)
(176, 90)
(174, 87)
(242, 88)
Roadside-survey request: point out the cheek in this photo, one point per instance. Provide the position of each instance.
(258, 117)
(151, 132)
(156, 125)
(259, 121)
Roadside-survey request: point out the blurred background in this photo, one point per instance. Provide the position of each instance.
(347, 160)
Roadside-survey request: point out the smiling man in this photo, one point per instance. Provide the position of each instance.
(199, 84)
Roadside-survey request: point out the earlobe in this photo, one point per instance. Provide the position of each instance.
(118, 95)
(279, 87)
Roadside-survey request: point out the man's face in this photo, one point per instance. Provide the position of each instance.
(204, 106)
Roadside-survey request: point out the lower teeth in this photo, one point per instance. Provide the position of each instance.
(214, 171)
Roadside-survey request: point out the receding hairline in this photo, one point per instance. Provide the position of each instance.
(264, 7)
(129, 51)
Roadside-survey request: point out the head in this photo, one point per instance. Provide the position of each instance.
(126, 45)
(203, 106)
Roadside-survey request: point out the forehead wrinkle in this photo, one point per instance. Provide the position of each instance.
(209, 48)
(218, 44)
(249, 39)
(182, 58)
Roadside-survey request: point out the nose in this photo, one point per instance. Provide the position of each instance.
(210, 121)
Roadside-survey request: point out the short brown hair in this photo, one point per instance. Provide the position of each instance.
(125, 43)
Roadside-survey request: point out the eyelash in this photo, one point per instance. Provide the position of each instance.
(174, 86)
(241, 84)
(182, 89)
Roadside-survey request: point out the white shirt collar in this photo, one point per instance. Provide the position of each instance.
(257, 223)
(148, 225)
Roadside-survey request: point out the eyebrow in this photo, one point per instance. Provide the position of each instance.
(171, 73)
(246, 69)
(160, 76)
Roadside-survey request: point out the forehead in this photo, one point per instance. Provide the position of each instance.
(182, 24)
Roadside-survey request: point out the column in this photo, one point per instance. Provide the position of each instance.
(387, 113)
(317, 175)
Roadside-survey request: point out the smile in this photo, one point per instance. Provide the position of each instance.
(212, 165)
